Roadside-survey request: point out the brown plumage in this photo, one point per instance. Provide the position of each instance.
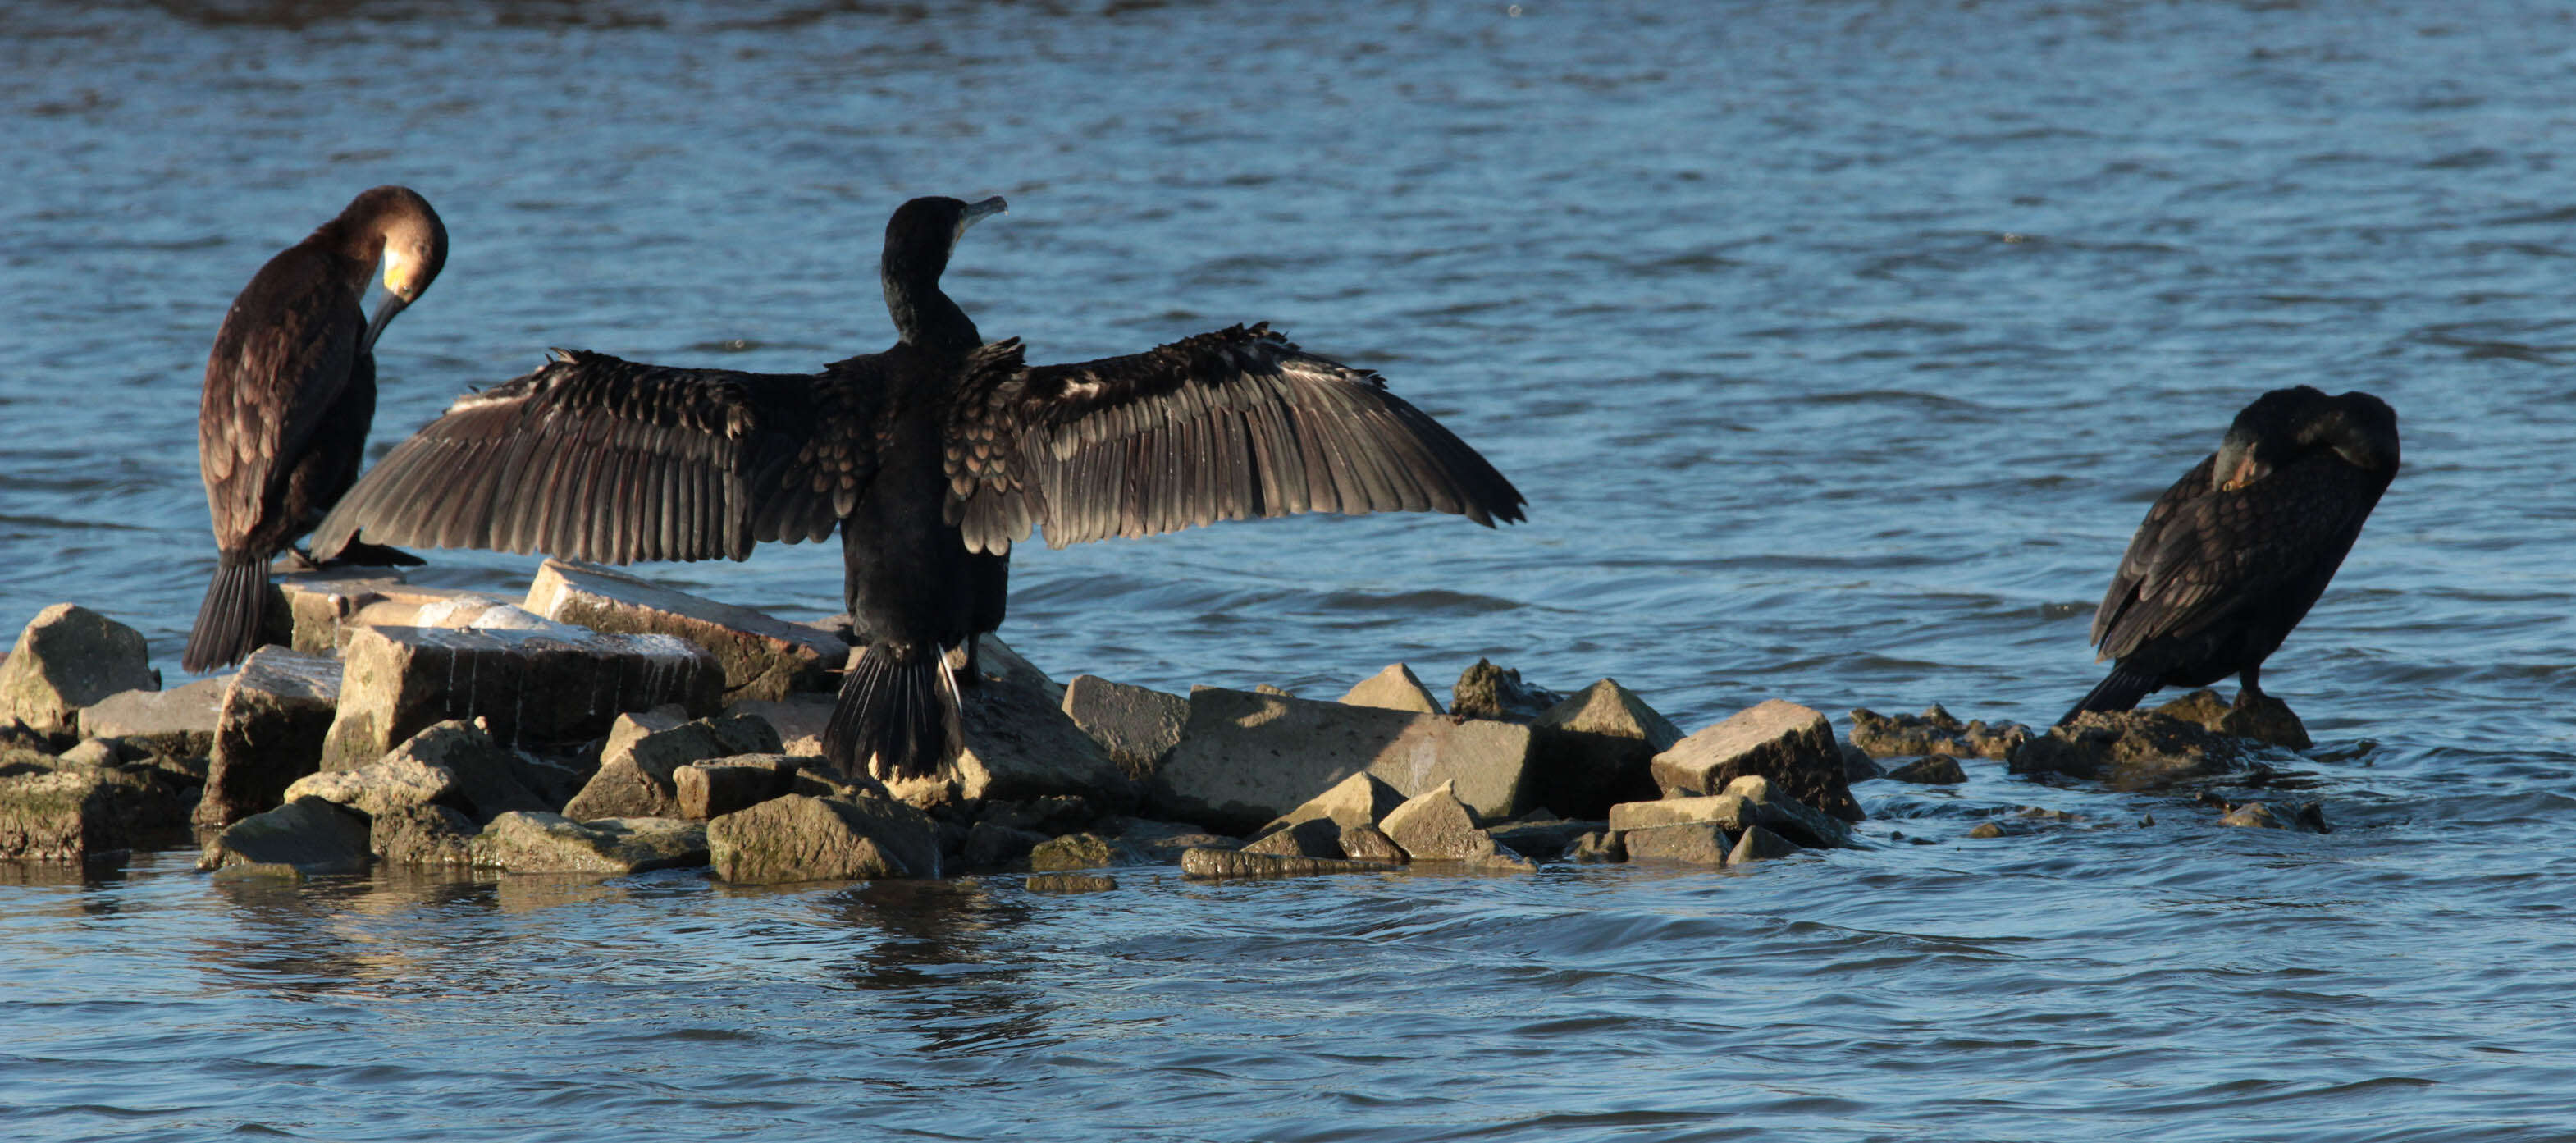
(933, 458)
(2232, 556)
(290, 390)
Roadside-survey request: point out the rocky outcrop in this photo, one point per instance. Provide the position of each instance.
(762, 657)
(1246, 758)
(276, 712)
(1164, 842)
(1600, 747)
(556, 684)
(1488, 691)
(1935, 731)
(307, 837)
(638, 772)
(55, 811)
(1364, 842)
(1544, 839)
(526, 842)
(804, 838)
(1137, 727)
(2262, 718)
(1792, 745)
(179, 722)
(2129, 750)
(1394, 688)
(1435, 826)
(67, 658)
(2306, 817)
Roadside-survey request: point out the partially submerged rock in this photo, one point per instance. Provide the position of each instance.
(67, 658)
(78, 813)
(1600, 747)
(1488, 691)
(1931, 770)
(1069, 883)
(1247, 758)
(313, 837)
(805, 838)
(1681, 843)
(1361, 799)
(1792, 745)
(1164, 842)
(762, 657)
(1228, 864)
(1073, 851)
(556, 685)
(1759, 844)
(276, 712)
(1315, 837)
(2306, 817)
(1364, 842)
(1394, 688)
(2129, 750)
(1935, 731)
(1137, 727)
(1545, 839)
(430, 835)
(526, 842)
(178, 722)
(1435, 826)
(2260, 717)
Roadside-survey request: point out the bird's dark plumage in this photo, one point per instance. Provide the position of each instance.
(290, 389)
(2232, 556)
(933, 458)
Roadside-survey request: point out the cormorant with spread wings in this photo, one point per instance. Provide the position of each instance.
(932, 458)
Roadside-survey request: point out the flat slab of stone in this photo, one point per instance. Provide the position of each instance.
(180, 721)
(1136, 726)
(1230, 864)
(1688, 843)
(803, 838)
(762, 656)
(66, 658)
(526, 842)
(556, 685)
(721, 786)
(269, 730)
(310, 835)
(1435, 826)
(1020, 745)
(1792, 745)
(1246, 758)
(1394, 688)
(319, 610)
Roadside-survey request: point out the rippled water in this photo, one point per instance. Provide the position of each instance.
(1839, 347)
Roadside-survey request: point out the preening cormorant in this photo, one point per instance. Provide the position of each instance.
(2232, 556)
(932, 458)
(290, 389)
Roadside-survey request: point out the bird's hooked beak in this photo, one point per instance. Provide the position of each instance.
(385, 311)
(979, 211)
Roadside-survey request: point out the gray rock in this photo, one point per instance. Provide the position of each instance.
(1073, 851)
(77, 813)
(1545, 840)
(1792, 745)
(1858, 766)
(1598, 748)
(317, 611)
(1394, 688)
(1164, 842)
(1318, 837)
(1020, 745)
(1137, 727)
(639, 768)
(1789, 817)
(1734, 811)
(799, 720)
(1364, 842)
(268, 732)
(524, 842)
(1247, 758)
(1501, 859)
(1935, 731)
(310, 835)
(556, 685)
(1435, 826)
(715, 788)
(1687, 843)
(2129, 750)
(801, 838)
(1228, 864)
(1931, 770)
(490, 780)
(990, 845)
(179, 722)
(1759, 844)
(1488, 691)
(91, 752)
(1069, 883)
(1361, 799)
(67, 658)
(2262, 718)
(1599, 847)
(762, 657)
(399, 780)
(427, 835)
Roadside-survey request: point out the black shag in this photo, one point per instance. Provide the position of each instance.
(932, 458)
(2232, 556)
(290, 389)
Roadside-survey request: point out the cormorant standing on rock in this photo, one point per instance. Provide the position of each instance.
(2232, 556)
(932, 458)
(290, 389)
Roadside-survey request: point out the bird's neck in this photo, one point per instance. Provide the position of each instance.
(925, 317)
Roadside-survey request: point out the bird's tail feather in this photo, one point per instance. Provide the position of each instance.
(2120, 690)
(899, 706)
(235, 611)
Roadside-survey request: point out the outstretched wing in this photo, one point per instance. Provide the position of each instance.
(1222, 426)
(597, 458)
(2206, 552)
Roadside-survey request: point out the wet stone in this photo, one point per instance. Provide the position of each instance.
(422, 835)
(524, 842)
(1136, 727)
(1858, 766)
(1318, 837)
(269, 732)
(1931, 770)
(1363, 842)
(1488, 691)
(1164, 842)
(178, 722)
(1227, 864)
(801, 838)
(1394, 688)
(992, 846)
(310, 835)
(1069, 883)
(1935, 731)
(1688, 843)
(1073, 851)
(762, 657)
(2129, 750)
(2262, 718)
(1759, 844)
(1545, 840)
(66, 658)
(78, 813)
(1599, 749)
(1599, 847)
(555, 685)
(1791, 745)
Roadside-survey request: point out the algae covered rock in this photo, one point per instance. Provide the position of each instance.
(538, 842)
(1488, 691)
(2129, 750)
(1935, 731)
(805, 838)
(67, 658)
